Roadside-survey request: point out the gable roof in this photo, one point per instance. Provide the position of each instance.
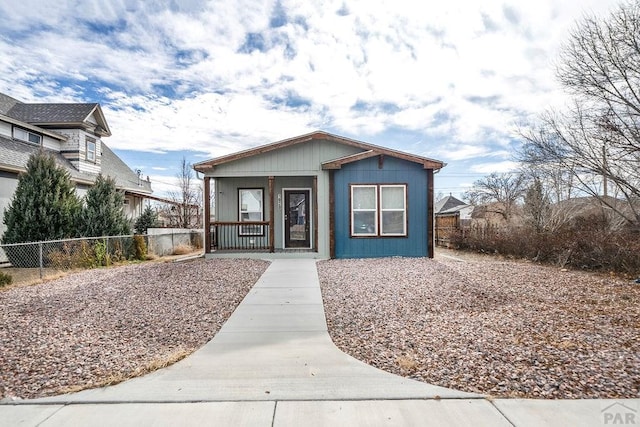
(56, 115)
(369, 150)
(449, 203)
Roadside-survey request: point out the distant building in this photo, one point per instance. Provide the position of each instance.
(451, 214)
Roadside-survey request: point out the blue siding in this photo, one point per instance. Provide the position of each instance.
(394, 171)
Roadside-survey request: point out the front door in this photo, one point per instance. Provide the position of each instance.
(296, 219)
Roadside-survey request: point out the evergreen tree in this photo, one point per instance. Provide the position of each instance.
(103, 214)
(149, 218)
(44, 206)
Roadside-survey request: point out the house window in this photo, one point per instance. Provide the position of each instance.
(378, 210)
(25, 135)
(364, 208)
(251, 208)
(91, 150)
(393, 210)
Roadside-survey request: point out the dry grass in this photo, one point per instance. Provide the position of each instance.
(182, 250)
(161, 362)
(408, 363)
(31, 276)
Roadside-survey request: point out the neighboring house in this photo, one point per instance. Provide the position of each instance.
(451, 214)
(73, 133)
(321, 195)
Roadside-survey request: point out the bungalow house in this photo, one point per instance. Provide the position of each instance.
(319, 195)
(73, 133)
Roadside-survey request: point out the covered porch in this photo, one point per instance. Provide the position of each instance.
(261, 216)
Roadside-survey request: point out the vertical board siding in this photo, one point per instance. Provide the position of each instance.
(295, 160)
(394, 171)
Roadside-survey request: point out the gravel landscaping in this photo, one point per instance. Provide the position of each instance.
(473, 323)
(102, 326)
(486, 325)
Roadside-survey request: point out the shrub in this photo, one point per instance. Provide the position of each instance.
(77, 254)
(5, 279)
(140, 247)
(102, 256)
(44, 207)
(148, 219)
(584, 244)
(103, 214)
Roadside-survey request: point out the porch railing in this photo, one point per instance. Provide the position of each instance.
(241, 236)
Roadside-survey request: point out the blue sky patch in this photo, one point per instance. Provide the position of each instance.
(385, 107)
(253, 41)
(278, 16)
(291, 100)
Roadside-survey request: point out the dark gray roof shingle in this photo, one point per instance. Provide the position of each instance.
(51, 113)
(6, 103)
(448, 203)
(125, 178)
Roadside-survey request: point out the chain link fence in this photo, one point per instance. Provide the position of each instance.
(37, 260)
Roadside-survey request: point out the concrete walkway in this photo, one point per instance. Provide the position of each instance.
(273, 364)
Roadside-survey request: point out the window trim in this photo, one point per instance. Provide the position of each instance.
(247, 230)
(29, 134)
(403, 210)
(88, 141)
(378, 226)
(353, 210)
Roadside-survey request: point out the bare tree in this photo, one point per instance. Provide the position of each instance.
(184, 212)
(504, 189)
(597, 138)
(536, 207)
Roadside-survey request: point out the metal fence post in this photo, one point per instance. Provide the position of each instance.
(40, 259)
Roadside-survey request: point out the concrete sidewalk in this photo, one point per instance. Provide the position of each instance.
(273, 363)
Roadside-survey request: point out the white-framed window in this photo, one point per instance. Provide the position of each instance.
(25, 135)
(251, 208)
(393, 210)
(378, 210)
(364, 210)
(90, 149)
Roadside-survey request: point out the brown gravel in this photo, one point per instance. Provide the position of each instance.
(102, 326)
(497, 327)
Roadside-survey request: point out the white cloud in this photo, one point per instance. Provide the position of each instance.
(497, 167)
(169, 75)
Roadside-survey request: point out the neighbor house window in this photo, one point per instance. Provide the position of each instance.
(251, 208)
(378, 210)
(91, 149)
(25, 135)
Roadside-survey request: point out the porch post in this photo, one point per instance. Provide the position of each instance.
(271, 215)
(430, 213)
(314, 198)
(207, 214)
(332, 221)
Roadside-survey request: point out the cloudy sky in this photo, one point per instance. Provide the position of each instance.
(449, 80)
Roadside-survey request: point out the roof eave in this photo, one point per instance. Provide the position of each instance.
(33, 127)
(209, 164)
